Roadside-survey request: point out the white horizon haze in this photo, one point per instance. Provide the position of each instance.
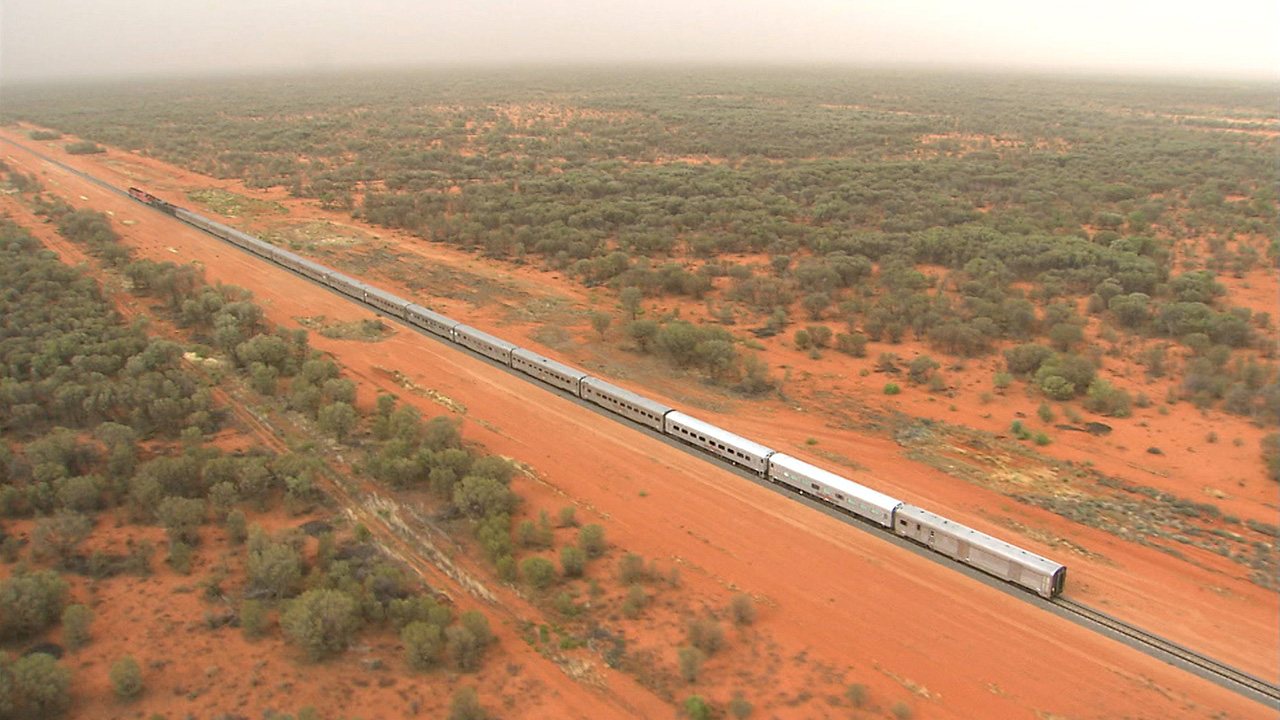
(67, 39)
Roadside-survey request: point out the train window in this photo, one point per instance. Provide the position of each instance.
(839, 496)
(813, 485)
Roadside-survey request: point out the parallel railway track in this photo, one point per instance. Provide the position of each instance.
(1170, 651)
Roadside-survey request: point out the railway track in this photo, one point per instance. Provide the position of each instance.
(1221, 673)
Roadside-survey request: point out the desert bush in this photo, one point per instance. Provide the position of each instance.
(573, 560)
(892, 389)
(742, 609)
(321, 621)
(465, 705)
(423, 645)
(253, 618)
(706, 635)
(695, 708)
(126, 678)
(591, 540)
(84, 147)
(921, 369)
(466, 651)
(275, 569)
(31, 602)
(856, 693)
(902, 711)
(539, 572)
(182, 518)
(854, 344)
(631, 569)
(1106, 399)
(480, 496)
(76, 622)
(1045, 412)
(34, 686)
(1026, 359)
(690, 660)
(568, 516)
(636, 601)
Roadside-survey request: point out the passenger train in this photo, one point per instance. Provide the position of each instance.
(966, 545)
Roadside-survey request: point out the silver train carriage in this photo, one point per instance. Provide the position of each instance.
(632, 406)
(737, 450)
(484, 343)
(553, 373)
(836, 490)
(431, 321)
(990, 555)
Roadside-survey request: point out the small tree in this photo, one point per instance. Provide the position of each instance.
(573, 560)
(630, 298)
(76, 620)
(600, 321)
(253, 618)
(34, 686)
(538, 572)
(695, 708)
(321, 621)
(591, 540)
(691, 659)
(423, 644)
(126, 678)
(338, 419)
(568, 516)
(466, 651)
(742, 609)
(706, 635)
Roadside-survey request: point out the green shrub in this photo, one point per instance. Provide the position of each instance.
(1045, 412)
(321, 621)
(742, 609)
(857, 695)
(126, 678)
(591, 540)
(539, 572)
(34, 686)
(695, 708)
(1106, 399)
(573, 560)
(891, 389)
(1041, 439)
(690, 660)
(423, 644)
(83, 147)
(76, 622)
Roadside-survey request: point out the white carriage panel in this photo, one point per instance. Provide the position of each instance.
(841, 491)
(718, 441)
(624, 402)
(484, 343)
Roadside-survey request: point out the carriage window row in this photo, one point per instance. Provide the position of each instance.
(715, 444)
(628, 406)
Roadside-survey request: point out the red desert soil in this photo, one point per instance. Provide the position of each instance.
(833, 595)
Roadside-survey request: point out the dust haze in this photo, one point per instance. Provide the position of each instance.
(48, 39)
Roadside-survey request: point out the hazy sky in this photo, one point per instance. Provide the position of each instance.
(65, 38)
